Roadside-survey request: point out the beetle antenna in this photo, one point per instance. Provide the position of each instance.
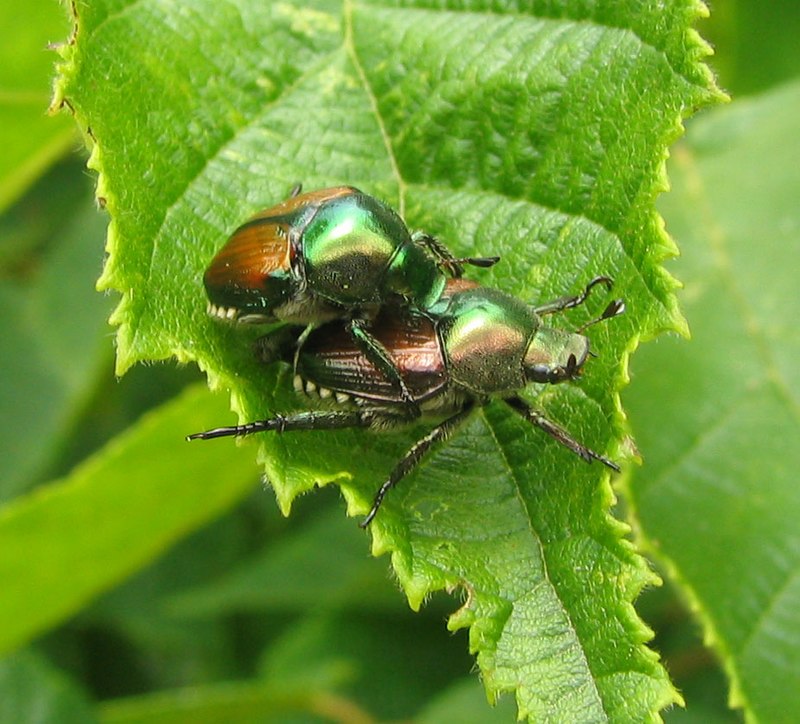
(614, 309)
(445, 258)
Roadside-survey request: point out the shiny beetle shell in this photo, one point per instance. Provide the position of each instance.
(494, 343)
(330, 359)
(474, 344)
(318, 255)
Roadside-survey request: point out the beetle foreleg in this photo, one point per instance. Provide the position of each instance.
(557, 432)
(440, 252)
(444, 257)
(559, 305)
(411, 459)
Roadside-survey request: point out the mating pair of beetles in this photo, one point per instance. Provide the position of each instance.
(382, 324)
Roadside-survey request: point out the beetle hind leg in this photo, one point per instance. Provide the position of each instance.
(379, 356)
(310, 420)
(412, 458)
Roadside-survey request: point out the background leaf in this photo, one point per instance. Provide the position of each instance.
(754, 44)
(537, 133)
(717, 500)
(30, 140)
(54, 343)
(33, 691)
(71, 540)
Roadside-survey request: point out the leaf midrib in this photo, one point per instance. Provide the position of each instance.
(512, 472)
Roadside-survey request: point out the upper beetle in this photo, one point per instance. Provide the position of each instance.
(324, 254)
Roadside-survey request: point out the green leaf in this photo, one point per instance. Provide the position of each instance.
(755, 44)
(718, 419)
(537, 131)
(462, 703)
(54, 341)
(67, 542)
(30, 140)
(246, 702)
(300, 571)
(32, 692)
(379, 660)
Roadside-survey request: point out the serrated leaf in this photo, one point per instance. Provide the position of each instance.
(718, 418)
(535, 131)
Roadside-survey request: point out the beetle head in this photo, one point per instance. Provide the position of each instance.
(555, 355)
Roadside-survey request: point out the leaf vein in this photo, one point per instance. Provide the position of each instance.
(766, 611)
(373, 101)
(546, 577)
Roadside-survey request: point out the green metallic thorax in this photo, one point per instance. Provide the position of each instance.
(485, 334)
(319, 255)
(415, 275)
(347, 248)
(357, 250)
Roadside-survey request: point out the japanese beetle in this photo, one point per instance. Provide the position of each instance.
(326, 254)
(476, 344)
(331, 253)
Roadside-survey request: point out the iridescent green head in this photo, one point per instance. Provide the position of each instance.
(555, 355)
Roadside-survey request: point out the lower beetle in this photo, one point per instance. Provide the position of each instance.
(326, 254)
(479, 343)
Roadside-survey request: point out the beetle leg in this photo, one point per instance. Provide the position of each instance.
(440, 252)
(484, 262)
(557, 432)
(445, 258)
(276, 345)
(376, 353)
(562, 303)
(309, 420)
(296, 190)
(411, 459)
(301, 340)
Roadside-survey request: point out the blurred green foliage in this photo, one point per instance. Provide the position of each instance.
(225, 603)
